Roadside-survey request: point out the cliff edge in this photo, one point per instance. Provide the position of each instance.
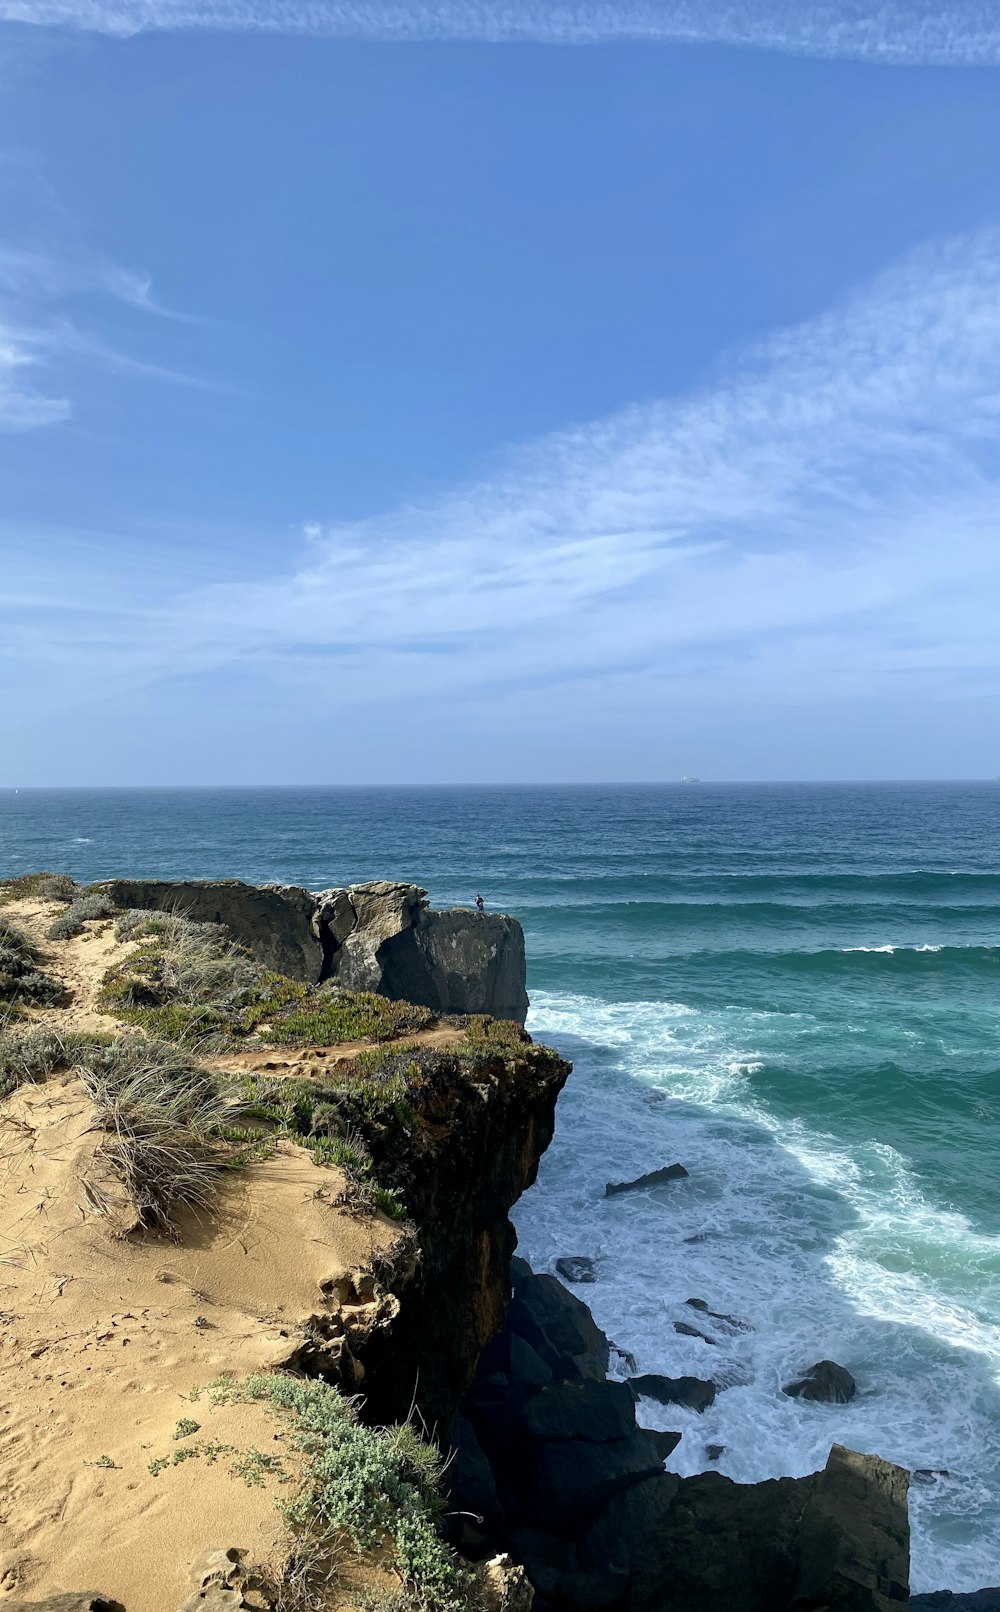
(382, 937)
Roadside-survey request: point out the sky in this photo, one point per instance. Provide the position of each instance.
(498, 392)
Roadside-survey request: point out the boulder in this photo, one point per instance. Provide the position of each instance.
(837, 1539)
(733, 1323)
(693, 1392)
(826, 1382)
(577, 1268)
(273, 921)
(655, 1178)
(569, 1479)
(715, 1452)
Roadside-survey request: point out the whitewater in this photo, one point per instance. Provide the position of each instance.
(792, 990)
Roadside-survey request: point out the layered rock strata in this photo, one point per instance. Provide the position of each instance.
(382, 937)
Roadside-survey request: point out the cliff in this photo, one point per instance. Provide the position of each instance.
(381, 937)
(235, 1195)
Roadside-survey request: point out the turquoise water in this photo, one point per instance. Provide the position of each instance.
(794, 990)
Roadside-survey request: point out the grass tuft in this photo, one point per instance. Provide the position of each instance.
(32, 1055)
(167, 1120)
(40, 886)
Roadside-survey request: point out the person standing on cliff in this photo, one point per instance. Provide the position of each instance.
(480, 905)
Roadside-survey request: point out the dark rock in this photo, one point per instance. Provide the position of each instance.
(70, 1602)
(577, 1268)
(698, 1237)
(470, 1477)
(826, 1382)
(569, 1480)
(688, 1331)
(557, 1325)
(526, 1366)
(690, 1391)
(655, 1178)
(626, 1356)
(835, 1540)
(273, 921)
(945, 1601)
(736, 1322)
(927, 1474)
(715, 1452)
(593, 1411)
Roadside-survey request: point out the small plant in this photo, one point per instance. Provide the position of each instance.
(40, 886)
(33, 1055)
(79, 913)
(22, 982)
(186, 1428)
(371, 1487)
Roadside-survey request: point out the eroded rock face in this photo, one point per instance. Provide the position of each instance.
(273, 921)
(380, 937)
(474, 1148)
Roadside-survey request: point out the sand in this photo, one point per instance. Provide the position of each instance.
(103, 1337)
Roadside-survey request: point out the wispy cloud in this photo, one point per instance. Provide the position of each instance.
(22, 406)
(897, 31)
(35, 337)
(818, 523)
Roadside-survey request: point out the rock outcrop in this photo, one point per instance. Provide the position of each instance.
(550, 1460)
(380, 937)
(826, 1383)
(472, 1149)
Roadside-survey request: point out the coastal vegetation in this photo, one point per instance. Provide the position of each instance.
(22, 981)
(191, 982)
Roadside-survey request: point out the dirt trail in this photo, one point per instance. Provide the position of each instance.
(79, 964)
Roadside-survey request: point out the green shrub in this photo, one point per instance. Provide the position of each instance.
(80, 912)
(33, 1055)
(22, 982)
(44, 886)
(368, 1487)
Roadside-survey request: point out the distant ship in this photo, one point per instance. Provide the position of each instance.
(690, 780)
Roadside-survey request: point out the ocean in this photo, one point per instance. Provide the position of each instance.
(793, 990)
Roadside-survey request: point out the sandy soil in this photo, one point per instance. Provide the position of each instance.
(103, 1337)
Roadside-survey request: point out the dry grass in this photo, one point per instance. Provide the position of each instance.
(167, 1121)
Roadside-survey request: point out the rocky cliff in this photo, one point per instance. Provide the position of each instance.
(381, 937)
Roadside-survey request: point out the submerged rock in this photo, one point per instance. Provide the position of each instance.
(715, 1452)
(826, 1382)
(693, 1392)
(735, 1322)
(686, 1330)
(655, 1178)
(577, 1268)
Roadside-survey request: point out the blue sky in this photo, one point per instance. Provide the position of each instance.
(469, 392)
